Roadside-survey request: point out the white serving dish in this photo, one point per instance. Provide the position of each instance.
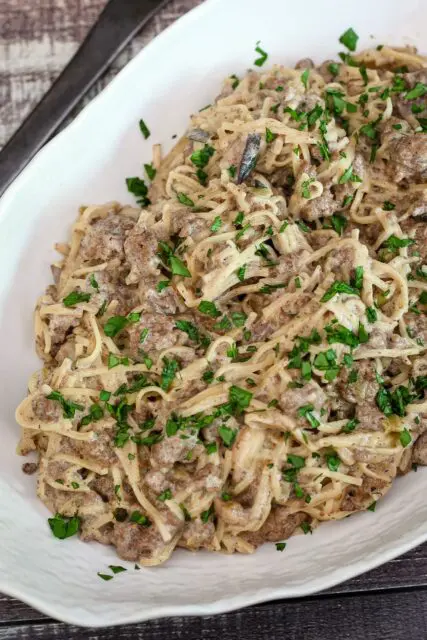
(178, 73)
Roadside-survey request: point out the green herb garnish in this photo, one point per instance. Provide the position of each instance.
(349, 39)
(75, 297)
(144, 129)
(64, 527)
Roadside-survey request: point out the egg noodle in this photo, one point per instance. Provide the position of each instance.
(243, 357)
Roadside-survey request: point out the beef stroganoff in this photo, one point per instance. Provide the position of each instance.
(243, 357)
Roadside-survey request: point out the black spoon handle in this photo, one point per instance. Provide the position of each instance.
(116, 26)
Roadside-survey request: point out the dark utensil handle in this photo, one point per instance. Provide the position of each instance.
(117, 24)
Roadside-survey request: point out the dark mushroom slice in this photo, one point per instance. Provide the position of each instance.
(198, 135)
(249, 157)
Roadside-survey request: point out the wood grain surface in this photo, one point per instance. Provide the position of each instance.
(37, 38)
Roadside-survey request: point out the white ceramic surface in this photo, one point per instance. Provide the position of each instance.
(176, 74)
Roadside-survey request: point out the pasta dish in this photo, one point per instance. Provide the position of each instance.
(242, 356)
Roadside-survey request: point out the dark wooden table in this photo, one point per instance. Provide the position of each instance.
(37, 37)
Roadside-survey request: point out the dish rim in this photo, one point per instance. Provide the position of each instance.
(224, 605)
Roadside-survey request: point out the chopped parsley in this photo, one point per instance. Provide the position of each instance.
(241, 272)
(193, 332)
(418, 91)
(202, 177)
(209, 308)
(184, 199)
(201, 158)
(75, 297)
(306, 412)
(337, 333)
(115, 324)
(216, 225)
(314, 115)
(305, 188)
(334, 68)
(304, 77)
(394, 402)
(64, 527)
(69, 408)
(116, 568)
(326, 362)
(270, 136)
(306, 528)
(139, 189)
(144, 129)
(105, 576)
(333, 461)
(393, 242)
(114, 361)
(227, 435)
(388, 206)
(280, 546)
(205, 515)
(166, 495)
(339, 287)
(162, 285)
(176, 265)
(405, 438)
(364, 74)
(350, 426)
(349, 39)
(338, 223)
(150, 171)
(371, 314)
(211, 447)
(348, 175)
(139, 518)
(95, 413)
(263, 56)
(170, 368)
(93, 282)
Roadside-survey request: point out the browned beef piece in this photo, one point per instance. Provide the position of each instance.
(341, 262)
(134, 541)
(197, 534)
(262, 330)
(366, 386)
(349, 188)
(404, 106)
(419, 454)
(388, 132)
(46, 410)
(305, 63)
(279, 525)
(311, 393)
(324, 71)
(191, 225)
(408, 158)
(100, 450)
(362, 394)
(322, 207)
(162, 334)
(105, 238)
(417, 325)
(174, 449)
(30, 467)
(59, 328)
(113, 288)
(417, 230)
(141, 254)
(357, 498)
(104, 487)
